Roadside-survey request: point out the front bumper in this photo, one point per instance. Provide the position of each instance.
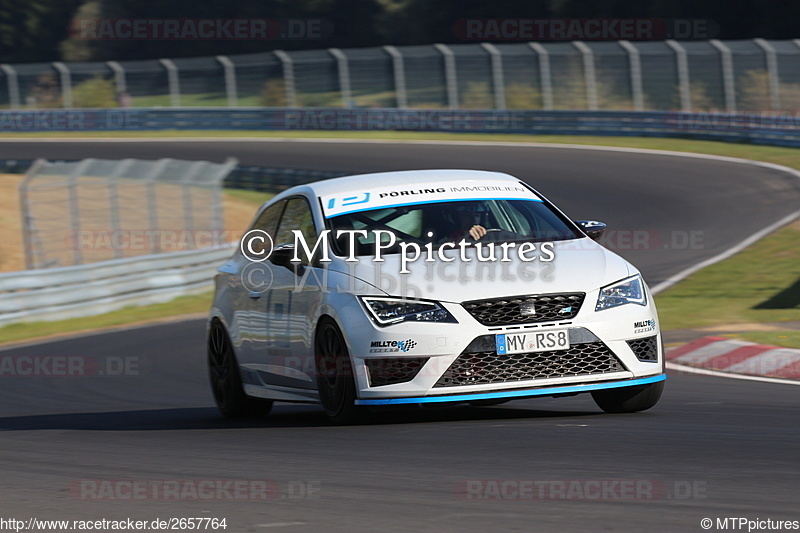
(432, 349)
(516, 394)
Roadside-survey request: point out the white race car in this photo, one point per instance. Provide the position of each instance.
(419, 287)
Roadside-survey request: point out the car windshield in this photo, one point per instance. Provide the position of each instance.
(450, 221)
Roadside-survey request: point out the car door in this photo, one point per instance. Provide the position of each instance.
(291, 299)
(252, 298)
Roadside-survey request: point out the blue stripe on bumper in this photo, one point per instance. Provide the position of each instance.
(516, 393)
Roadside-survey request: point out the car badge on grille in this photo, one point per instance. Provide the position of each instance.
(565, 311)
(527, 309)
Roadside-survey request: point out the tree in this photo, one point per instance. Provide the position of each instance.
(30, 30)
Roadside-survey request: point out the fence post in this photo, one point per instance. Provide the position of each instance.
(172, 77)
(13, 85)
(344, 77)
(186, 191)
(449, 75)
(113, 200)
(27, 230)
(288, 77)
(498, 84)
(152, 206)
(74, 209)
(119, 76)
(683, 75)
(216, 206)
(588, 74)
(635, 64)
(66, 83)
(727, 74)
(772, 73)
(399, 76)
(230, 80)
(544, 75)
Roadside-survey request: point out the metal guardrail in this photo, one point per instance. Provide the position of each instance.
(101, 287)
(66, 207)
(771, 128)
(274, 180)
(69, 292)
(264, 179)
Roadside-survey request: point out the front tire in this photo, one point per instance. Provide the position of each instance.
(629, 399)
(226, 382)
(335, 378)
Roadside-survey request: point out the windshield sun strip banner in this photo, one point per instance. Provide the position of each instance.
(415, 194)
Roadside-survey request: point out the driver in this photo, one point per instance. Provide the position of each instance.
(470, 220)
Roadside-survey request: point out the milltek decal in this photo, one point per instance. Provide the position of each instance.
(391, 346)
(406, 193)
(644, 325)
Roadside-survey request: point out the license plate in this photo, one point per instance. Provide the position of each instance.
(540, 341)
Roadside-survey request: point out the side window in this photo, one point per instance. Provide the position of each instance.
(297, 216)
(268, 222)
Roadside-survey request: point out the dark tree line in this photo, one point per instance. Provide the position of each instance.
(38, 30)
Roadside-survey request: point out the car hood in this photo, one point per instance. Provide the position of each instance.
(579, 265)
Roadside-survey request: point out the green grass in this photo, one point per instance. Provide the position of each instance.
(759, 284)
(183, 305)
(253, 197)
(788, 338)
(194, 100)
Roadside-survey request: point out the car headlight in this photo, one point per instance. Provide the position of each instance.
(628, 291)
(387, 311)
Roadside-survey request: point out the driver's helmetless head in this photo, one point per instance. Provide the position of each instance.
(470, 212)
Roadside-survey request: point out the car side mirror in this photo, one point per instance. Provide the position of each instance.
(592, 228)
(282, 256)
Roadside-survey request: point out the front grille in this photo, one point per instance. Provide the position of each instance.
(479, 368)
(645, 349)
(391, 370)
(525, 309)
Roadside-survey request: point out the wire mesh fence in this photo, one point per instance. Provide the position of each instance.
(94, 210)
(750, 75)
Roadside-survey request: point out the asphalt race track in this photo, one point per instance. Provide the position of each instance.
(712, 448)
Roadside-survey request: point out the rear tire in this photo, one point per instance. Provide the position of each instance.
(335, 378)
(629, 399)
(226, 382)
